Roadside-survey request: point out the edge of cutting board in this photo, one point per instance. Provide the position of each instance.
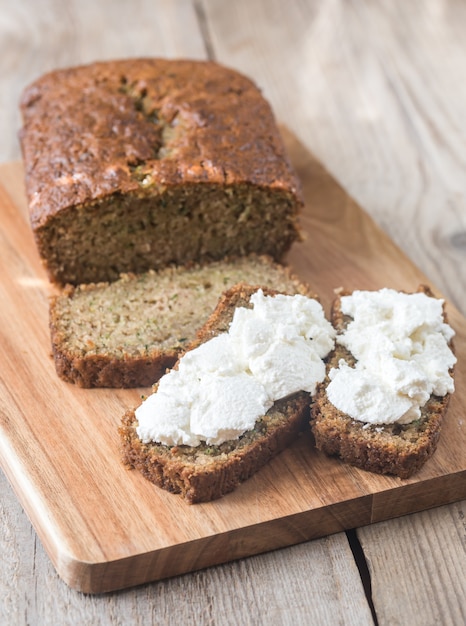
(107, 528)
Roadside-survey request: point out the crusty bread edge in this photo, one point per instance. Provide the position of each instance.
(204, 483)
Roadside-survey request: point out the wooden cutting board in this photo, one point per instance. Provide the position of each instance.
(106, 527)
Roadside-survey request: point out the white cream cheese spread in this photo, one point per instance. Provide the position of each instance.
(400, 343)
(220, 389)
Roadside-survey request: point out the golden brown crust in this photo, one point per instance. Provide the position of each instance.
(208, 472)
(221, 109)
(399, 450)
(148, 137)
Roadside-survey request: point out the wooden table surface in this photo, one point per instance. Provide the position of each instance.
(377, 91)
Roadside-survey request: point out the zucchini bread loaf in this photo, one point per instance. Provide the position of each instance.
(389, 381)
(127, 332)
(137, 164)
(210, 424)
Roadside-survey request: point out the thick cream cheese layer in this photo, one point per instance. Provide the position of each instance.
(220, 389)
(401, 344)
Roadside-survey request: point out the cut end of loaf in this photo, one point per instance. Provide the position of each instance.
(155, 228)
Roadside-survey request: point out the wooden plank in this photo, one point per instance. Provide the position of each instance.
(418, 563)
(100, 539)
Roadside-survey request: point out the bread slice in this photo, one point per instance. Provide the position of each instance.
(399, 450)
(207, 472)
(126, 333)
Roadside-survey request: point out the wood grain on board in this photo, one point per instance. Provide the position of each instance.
(105, 527)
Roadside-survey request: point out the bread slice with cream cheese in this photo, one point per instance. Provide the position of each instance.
(397, 449)
(206, 472)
